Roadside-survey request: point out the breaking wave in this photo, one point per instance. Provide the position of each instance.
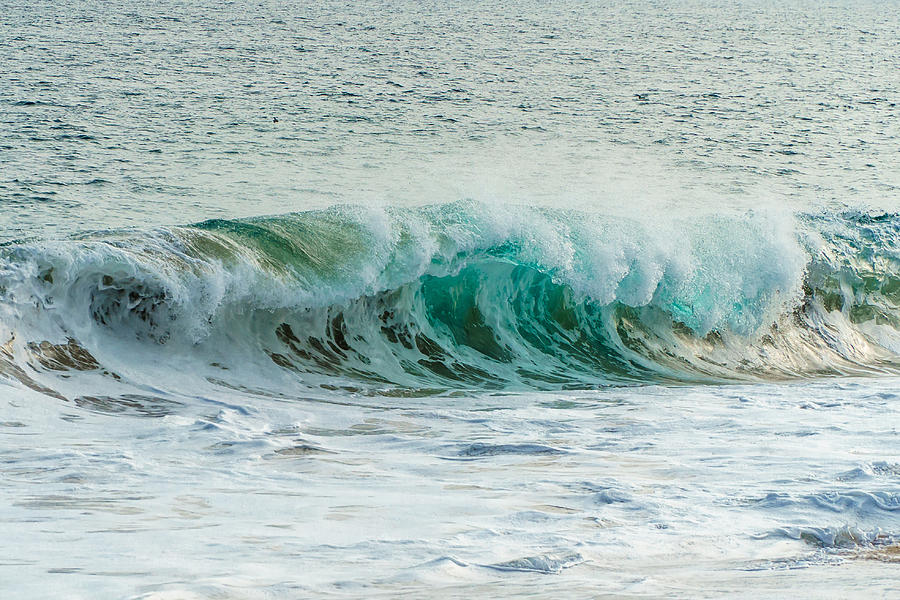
(466, 295)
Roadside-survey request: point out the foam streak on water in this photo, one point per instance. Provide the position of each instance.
(393, 299)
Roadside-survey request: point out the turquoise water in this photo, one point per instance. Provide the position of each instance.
(449, 300)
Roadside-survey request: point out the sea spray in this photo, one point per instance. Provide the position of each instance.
(471, 295)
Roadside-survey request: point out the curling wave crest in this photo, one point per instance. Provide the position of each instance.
(466, 295)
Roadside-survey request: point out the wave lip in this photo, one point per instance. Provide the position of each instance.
(471, 296)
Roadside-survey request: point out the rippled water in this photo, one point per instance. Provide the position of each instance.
(166, 109)
(576, 299)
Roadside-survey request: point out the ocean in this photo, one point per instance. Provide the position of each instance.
(449, 299)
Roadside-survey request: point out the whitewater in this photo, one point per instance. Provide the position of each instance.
(449, 301)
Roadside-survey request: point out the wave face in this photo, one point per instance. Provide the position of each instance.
(465, 295)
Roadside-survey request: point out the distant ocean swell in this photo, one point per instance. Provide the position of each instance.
(466, 296)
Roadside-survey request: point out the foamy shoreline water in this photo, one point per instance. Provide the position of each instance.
(654, 491)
